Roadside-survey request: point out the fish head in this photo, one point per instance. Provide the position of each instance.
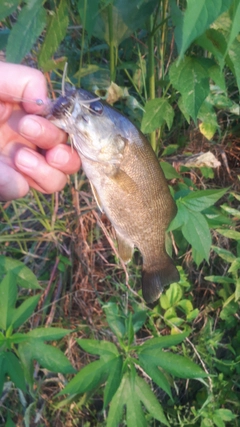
(99, 132)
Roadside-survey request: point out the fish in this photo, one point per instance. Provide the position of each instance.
(126, 180)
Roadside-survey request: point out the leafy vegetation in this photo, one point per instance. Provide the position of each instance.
(173, 68)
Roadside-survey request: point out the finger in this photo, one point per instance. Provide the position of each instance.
(41, 132)
(65, 158)
(35, 167)
(12, 184)
(5, 111)
(19, 81)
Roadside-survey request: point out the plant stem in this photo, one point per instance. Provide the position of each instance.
(151, 76)
(111, 43)
(82, 43)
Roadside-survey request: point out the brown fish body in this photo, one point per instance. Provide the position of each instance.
(127, 182)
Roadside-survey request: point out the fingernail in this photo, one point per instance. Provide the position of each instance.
(60, 158)
(27, 159)
(30, 128)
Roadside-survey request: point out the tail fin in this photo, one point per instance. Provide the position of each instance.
(156, 278)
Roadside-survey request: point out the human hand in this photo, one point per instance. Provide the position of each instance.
(23, 133)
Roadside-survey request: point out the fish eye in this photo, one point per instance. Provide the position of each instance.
(96, 107)
(61, 106)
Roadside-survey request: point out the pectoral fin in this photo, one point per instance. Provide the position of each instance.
(124, 181)
(125, 247)
(96, 196)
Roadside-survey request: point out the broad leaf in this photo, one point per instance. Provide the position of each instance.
(31, 22)
(155, 373)
(169, 171)
(198, 17)
(88, 378)
(48, 334)
(24, 311)
(163, 342)
(50, 357)
(115, 320)
(102, 348)
(114, 379)
(157, 112)
(197, 233)
(56, 30)
(235, 27)
(151, 403)
(24, 277)
(232, 59)
(117, 403)
(202, 199)
(15, 371)
(224, 254)
(7, 8)
(176, 365)
(190, 78)
(8, 297)
(230, 234)
(126, 18)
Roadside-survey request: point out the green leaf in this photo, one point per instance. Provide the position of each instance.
(135, 416)
(15, 371)
(202, 199)
(154, 372)
(217, 420)
(114, 379)
(215, 42)
(208, 117)
(8, 297)
(235, 25)
(7, 8)
(56, 30)
(88, 12)
(139, 318)
(219, 279)
(190, 78)
(169, 171)
(2, 369)
(230, 234)
(24, 277)
(174, 293)
(24, 352)
(126, 17)
(162, 342)
(197, 233)
(24, 311)
(102, 348)
(115, 320)
(181, 218)
(10, 422)
(48, 334)
(226, 414)
(157, 112)
(232, 60)
(30, 24)
(88, 378)
(231, 211)
(224, 254)
(117, 403)
(145, 394)
(198, 17)
(176, 365)
(50, 357)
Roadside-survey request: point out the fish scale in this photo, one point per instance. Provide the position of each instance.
(127, 182)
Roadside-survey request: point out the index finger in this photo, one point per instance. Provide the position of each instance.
(20, 81)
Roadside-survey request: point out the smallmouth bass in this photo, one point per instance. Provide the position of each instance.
(126, 179)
